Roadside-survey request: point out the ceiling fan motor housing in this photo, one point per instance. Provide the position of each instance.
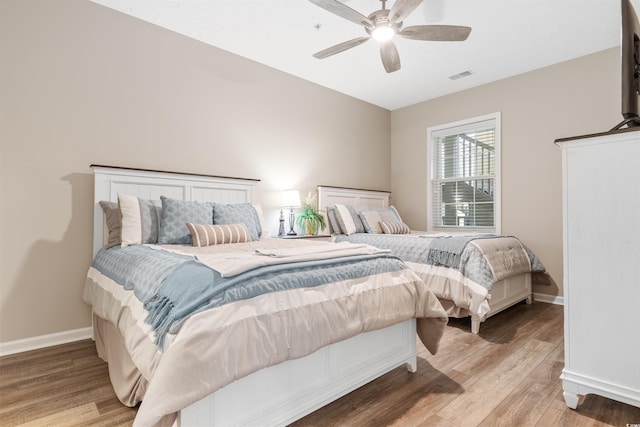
(381, 18)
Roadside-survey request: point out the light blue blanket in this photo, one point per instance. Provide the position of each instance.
(447, 251)
(416, 249)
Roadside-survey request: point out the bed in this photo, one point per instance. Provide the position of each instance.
(494, 273)
(265, 358)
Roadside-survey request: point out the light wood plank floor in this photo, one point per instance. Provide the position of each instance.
(505, 376)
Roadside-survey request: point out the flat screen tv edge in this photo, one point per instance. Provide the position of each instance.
(630, 61)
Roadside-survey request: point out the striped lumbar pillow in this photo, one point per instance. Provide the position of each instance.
(210, 234)
(394, 227)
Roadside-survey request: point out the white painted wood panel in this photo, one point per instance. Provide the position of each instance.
(601, 204)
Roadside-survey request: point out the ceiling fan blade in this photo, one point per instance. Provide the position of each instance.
(446, 33)
(344, 11)
(401, 9)
(340, 47)
(390, 57)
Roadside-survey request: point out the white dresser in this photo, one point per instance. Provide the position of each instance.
(601, 210)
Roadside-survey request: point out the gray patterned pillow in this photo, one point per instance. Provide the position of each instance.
(175, 216)
(334, 224)
(150, 215)
(114, 222)
(387, 214)
(238, 213)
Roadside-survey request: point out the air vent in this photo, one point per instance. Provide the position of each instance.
(461, 75)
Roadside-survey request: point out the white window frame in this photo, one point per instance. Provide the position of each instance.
(461, 126)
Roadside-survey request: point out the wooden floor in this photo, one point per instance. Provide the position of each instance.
(507, 375)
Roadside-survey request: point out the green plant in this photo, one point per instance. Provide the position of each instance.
(309, 219)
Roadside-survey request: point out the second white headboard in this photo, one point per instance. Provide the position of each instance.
(329, 196)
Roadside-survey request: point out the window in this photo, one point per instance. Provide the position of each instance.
(464, 171)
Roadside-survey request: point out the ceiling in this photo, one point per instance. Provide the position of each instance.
(509, 37)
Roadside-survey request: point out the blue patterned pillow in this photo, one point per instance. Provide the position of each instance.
(238, 213)
(176, 214)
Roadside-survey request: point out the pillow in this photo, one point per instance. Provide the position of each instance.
(238, 213)
(209, 234)
(112, 219)
(370, 220)
(349, 220)
(334, 225)
(394, 227)
(263, 228)
(140, 220)
(388, 214)
(176, 214)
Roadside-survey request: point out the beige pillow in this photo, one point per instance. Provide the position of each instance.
(217, 234)
(371, 221)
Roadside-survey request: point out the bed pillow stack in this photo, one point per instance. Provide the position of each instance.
(346, 219)
(135, 221)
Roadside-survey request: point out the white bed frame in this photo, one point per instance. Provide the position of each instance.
(283, 393)
(504, 294)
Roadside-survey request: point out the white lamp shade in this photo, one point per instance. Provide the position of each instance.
(291, 198)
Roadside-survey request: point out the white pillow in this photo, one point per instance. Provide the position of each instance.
(140, 220)
(345, 219)
(131, 231)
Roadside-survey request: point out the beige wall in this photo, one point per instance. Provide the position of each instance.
(83, 84)
(573, 98)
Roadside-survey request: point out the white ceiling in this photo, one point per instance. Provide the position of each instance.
(509, 37)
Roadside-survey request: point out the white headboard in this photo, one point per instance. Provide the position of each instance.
(150, 185)
(329, 196)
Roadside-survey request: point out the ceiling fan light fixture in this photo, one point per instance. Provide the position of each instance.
(383, 24)
(383, 33)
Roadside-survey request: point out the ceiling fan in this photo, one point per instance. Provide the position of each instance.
(383, 24)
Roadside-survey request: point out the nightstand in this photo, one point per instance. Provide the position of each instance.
(322, 238)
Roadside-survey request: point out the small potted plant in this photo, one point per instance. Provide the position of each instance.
(309, 219)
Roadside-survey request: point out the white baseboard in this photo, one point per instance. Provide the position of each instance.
(42, 341)
(18, 346)
(551, 299)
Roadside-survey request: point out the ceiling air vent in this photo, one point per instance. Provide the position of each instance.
(461, 75)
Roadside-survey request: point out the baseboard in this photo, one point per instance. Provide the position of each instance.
(19, 346)
(42, 341)
(551, 299)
